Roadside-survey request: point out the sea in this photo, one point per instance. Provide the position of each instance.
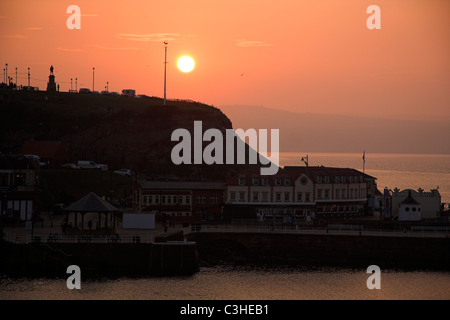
(281, 283)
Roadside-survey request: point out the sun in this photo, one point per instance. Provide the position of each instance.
(186, 64)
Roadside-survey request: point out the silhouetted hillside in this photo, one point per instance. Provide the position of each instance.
(123, 132)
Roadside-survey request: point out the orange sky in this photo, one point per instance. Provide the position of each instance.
(300, 55)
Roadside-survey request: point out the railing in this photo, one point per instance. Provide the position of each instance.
(54, 238)
(334, 230)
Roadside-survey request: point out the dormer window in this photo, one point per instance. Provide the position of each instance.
(242, 181)
(255, 181)
(319, 179)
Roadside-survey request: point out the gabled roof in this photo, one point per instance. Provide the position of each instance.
(410, 200)
(91, 203)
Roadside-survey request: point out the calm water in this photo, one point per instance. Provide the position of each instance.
(243, 284)
(404, 171)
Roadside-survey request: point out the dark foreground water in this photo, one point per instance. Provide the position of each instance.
(232, 283)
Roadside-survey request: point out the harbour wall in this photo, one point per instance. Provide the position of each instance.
(99, 259)
(312, 250)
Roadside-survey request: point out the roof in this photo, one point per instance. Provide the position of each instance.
(91, 203)
(410, 200)
(182, 185)
(43, 149)
(11, 162)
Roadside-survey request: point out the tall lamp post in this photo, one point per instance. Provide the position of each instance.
(6, 76)
(165, 68)
(71, 85)
(76, 84)
(28, 76)
(16, 76)
(93, 74)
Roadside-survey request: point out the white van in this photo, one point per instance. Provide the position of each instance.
(86, 164)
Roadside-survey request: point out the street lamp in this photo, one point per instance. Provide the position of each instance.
(28, 76)
(93, 70)
(71, 85)
(76, 84)
(165, 67)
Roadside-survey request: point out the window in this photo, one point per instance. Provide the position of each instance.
(156, 199)
(150, 199)
(343, 194)
(180, 200)
(201, 199)
(350, 178)
(255, 196)
(327, 193)
(264, 181)
(414, 209)
(287, 196)
(163, 199)
(299, 196)
(287, 182)
(319, 193)
(233, 196)
(337, 179)
(338, 193)
(242, 181)
(214, 200)
(304, 181)
(265, 196)
(278, 182)
(255, 181)
(327, 179)
(278, 196)
(188, 199)
(307, 197)
(241, 196)
(407, 209)
(351, 193)
(169, 199)
(319, 179)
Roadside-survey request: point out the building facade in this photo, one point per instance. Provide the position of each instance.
(182, 201)
(19, 194)
(300, 193)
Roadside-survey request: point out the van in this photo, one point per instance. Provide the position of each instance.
(86, 164)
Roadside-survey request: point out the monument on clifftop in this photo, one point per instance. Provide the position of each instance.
(51, 85)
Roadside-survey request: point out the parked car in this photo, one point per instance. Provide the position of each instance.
(85, 90)
(70, 166)
(124, 172)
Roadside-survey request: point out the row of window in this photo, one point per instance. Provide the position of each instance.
(287, 182)
(177, 200)
(166, 199)
(264, 196)
(265, 181)
(301, 196)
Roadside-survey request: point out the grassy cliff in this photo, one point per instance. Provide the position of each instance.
(123, 132)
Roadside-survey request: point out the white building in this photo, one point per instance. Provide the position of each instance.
(409, 209)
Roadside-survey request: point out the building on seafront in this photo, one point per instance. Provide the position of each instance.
(293, 194)
(19, 188)
(430, 202)
(181, 201)
(300, 193)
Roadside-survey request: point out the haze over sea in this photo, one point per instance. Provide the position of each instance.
(404, 171)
